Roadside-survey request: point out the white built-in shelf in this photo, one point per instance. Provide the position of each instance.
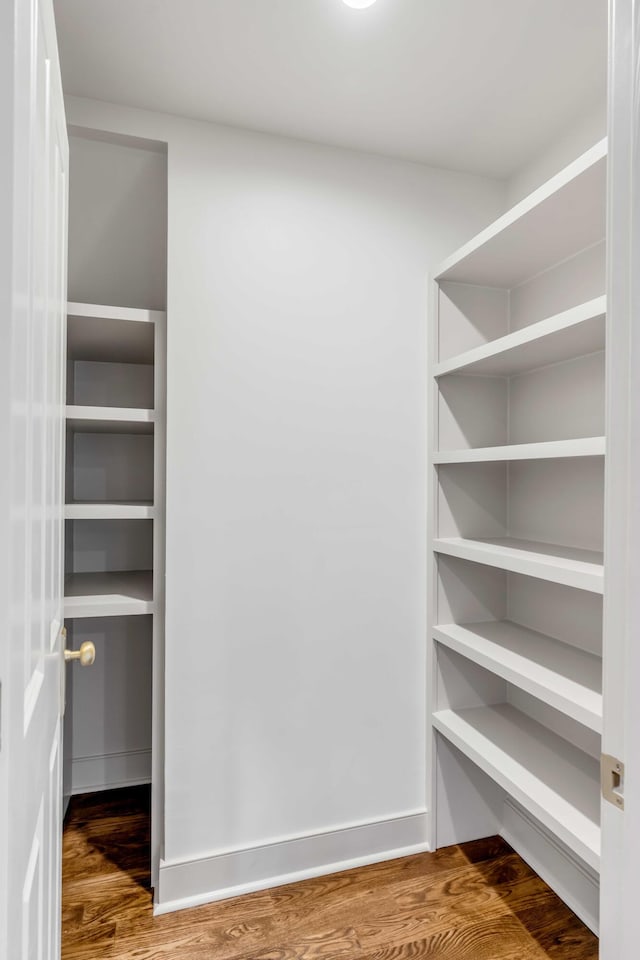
(546, 561)
(109, 420)
(566, 678)
(549, 450)
(565, 214)
(572, 333)
(553, 780)
(108, 594)
(110, 334)
(141, 510)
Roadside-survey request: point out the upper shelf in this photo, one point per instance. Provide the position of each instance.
(113, 334)
(572, 333)
(109, 420)
(547, 450)
(566, 214)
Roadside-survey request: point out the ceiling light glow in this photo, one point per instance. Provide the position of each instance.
(358, 4)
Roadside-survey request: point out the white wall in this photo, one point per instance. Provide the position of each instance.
(296, 557)
(584, 133)
(117, 223)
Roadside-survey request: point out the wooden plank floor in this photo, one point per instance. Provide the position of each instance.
(477, 901)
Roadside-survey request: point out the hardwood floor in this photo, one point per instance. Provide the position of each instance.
(477, 901)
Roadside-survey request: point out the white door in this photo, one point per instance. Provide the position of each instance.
(33, 228)
(621, 733)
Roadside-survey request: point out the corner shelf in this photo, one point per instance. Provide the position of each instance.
(108, 594)
(572, 333)
(565, 677)
(109, 420)
(566, 214)
(582, 569)
(549, 777)
(549, 450)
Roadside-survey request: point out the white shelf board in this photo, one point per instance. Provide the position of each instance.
(572, 333)
(549, 450)
(546, 561)
(111, 334)
(108, 594)
(566, 678)
(566, 214)
(553, 780)
(109, 420)
(109, 511)
(99, 311)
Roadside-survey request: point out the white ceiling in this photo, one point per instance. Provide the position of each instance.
(477, 85)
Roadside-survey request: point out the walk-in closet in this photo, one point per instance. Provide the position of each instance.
(322, 580)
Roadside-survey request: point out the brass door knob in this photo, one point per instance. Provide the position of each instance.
(86, 654)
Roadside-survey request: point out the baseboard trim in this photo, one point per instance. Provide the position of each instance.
(108, 771)
(189, 883)
(572, 879)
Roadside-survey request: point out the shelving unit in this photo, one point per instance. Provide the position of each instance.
(115, 466)
(517, 452)
(115, 512)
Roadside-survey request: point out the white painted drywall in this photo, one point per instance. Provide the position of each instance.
(569, 144)
(296, 479)
(296, 483)
(117, 224)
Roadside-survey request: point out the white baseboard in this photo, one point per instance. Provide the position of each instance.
(572, 879)
(231, 873)
(111, 770)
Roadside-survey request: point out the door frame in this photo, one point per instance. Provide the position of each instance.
(7, 80)
(621, 829)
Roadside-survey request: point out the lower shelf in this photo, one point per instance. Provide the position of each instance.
(108, 594)
(551, 779)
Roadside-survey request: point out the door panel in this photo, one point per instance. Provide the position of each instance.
(621, 828)
(34, 156)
